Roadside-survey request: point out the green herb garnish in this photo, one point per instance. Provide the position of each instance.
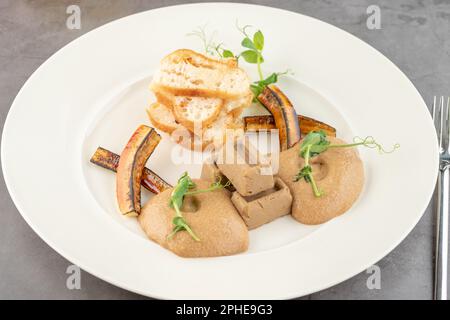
(214, 186)
(184, 184)
(253, 45)
(184, 188)
(316, 142)
(257, 87)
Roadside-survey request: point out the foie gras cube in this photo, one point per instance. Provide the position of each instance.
(248, 170)
(264, 207)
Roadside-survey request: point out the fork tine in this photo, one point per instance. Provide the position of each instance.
(447, 108)
(441, 122)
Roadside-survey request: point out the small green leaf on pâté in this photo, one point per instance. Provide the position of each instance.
(304, 174)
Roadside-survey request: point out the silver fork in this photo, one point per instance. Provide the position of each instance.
(441, 118)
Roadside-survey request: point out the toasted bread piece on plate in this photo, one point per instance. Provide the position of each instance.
(162, 118)
(234, 106)
(185, 72)
(191, 111)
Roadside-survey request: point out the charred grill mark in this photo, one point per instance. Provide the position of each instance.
(307, 124)
(140, 161)
(274, 94)
(109, 160)
(285, 119)
(284, 115)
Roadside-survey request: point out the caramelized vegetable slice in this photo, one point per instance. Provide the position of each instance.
(129, 170)
(284, 115)
(109, 160)
(256, 123)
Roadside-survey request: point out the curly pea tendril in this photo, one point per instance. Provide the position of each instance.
(368, 142)
(316, 142)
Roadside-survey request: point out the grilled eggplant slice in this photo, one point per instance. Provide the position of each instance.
(307, 124)
(129, 170)
(109, 160)
(283, 113)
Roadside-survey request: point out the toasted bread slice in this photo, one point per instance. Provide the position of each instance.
(216, 133)
(191, 111)
(162, 118)
(188, 73)
(236, 106)
(233, 106)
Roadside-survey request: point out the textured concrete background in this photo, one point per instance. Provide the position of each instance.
(413, 34)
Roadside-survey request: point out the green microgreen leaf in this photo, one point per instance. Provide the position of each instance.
(181, 225)
(256, 89)
(250, 56)
(227, 54)
(258, 40)
(215, 186)
(184, 188)
(247, 43)
(184, 184)
(303, 173)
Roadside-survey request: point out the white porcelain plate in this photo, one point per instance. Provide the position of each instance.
(94, 92)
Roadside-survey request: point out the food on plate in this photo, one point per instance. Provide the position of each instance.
(216, 223)
(308, 125)
(188, 73)
(316, 142)
(199, 97)
(191, 110)
(109, 160)
(236, 106)
(284, 114)
(130, 168)
(338, 171)
(214, 135)
(265, 206)
(162, 118)
(258, 196)
(267, 122)
(248, 170)
(211, 172)
(205, 111)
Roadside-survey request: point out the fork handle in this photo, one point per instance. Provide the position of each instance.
(441, 253)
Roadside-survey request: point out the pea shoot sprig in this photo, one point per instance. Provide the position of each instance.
(184, 188)
(184, 184)
(253, 53)
(316, 142)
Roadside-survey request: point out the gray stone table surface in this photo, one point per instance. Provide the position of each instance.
(414, 35)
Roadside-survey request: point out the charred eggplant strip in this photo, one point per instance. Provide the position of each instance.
(131, 165)
(109, 160)
(307, 124)
(284, 114)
